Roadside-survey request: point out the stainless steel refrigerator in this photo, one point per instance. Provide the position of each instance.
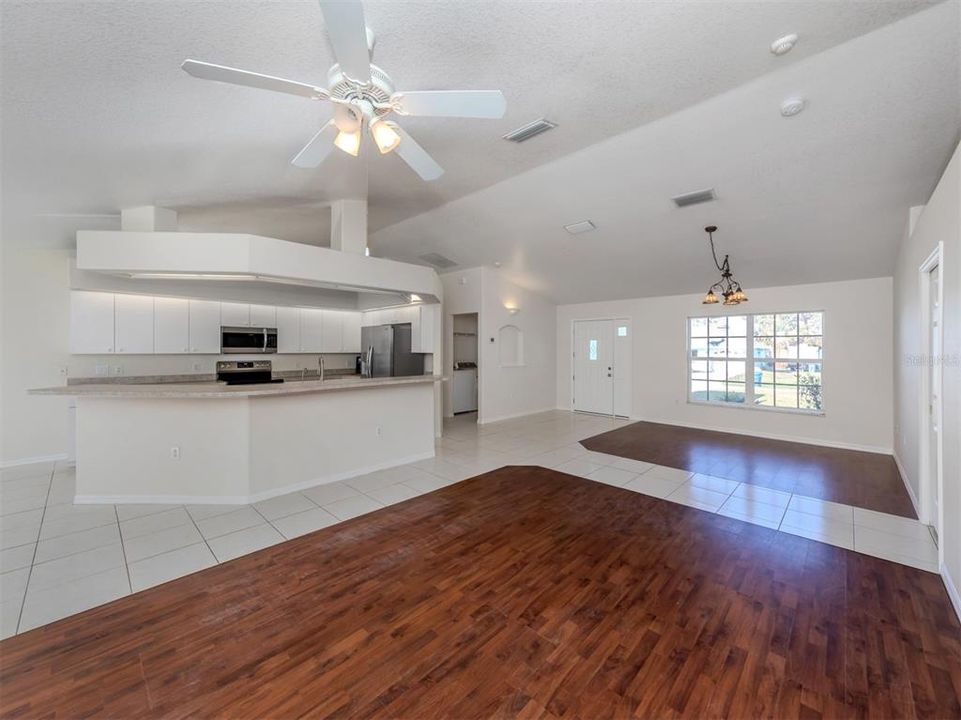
(390, 351)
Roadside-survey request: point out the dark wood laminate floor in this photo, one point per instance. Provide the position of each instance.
(521, 593)
(862, 479)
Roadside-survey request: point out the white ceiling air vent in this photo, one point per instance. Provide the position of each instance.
(437, 260)
(580, 227)
(693, 198)
(526, 132)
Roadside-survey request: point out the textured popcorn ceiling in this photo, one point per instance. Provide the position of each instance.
(97, 115)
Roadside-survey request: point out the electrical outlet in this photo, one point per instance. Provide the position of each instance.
(378, 431)
(198, 367)
(175, 452)
(64, 371)
(116, 370)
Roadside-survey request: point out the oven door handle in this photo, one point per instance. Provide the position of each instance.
(265, 339)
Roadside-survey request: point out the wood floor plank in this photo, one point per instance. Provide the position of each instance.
(863, 479)
(522, 593)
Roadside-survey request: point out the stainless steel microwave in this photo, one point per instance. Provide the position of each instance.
(248, 340)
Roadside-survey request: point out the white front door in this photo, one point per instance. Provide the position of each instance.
(593, 363)
(934, 400)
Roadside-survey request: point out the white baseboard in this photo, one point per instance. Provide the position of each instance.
(501, 418)
(952, 590)
(243, 499)
(907, 484)
(59, 457)
(773, 436)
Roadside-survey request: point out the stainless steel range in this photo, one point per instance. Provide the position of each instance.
(246, 372)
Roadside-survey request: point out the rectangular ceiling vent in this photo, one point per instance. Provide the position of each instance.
(694, 198)
(526, 132)
(437, 260)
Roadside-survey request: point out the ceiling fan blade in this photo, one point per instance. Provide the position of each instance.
(318, 148)
(415, 156)
(348, 35)
(222, 73)
(451, 103)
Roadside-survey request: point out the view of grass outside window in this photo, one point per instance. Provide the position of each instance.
(767, 360)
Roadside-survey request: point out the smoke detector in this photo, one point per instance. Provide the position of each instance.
(580, 227)
(693, 198)
(792, 106)
(784, 45)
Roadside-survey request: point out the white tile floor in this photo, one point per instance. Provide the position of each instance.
(57, 558)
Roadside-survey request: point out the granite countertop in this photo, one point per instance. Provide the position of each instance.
(222, 390)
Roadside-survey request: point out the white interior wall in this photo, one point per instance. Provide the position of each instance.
(857, 364)
(939, 222)
(513, 391)
(503, 392)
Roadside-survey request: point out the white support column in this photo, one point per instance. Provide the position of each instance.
(148, 218)
(348, 226)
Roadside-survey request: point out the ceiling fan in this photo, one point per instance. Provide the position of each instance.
(362, 96)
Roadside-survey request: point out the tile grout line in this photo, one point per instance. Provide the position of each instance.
(123, 549)
(36, 546)
(197, 527)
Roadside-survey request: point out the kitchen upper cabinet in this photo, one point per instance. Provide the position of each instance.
(288, 330)
(263, 316)
(423, 326)
(133, 324)
(351, 332)
(171, 325)
(333, 333)
(234, 314)
(311, 330)
(204, 327)
(91, 322)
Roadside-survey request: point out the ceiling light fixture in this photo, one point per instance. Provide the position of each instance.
(349, 142)
(784, 45)
(729, 288)
(385, 135)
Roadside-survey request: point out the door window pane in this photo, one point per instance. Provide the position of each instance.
(735, 371)
(717, 327)
(698, 327)
(764, 347)
(622, 331)
(592, 350)
(737, 347)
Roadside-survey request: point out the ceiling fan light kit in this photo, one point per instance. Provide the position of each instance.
(362, 94)
(727, 286)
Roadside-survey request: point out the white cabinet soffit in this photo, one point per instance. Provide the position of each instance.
(260, 258)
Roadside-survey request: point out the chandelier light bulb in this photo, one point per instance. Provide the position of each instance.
(710, 298)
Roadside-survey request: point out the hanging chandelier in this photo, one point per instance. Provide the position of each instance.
(729, 288)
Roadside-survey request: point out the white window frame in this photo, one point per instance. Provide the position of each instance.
(748, 403)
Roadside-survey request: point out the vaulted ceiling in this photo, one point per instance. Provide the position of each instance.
(651, 99)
